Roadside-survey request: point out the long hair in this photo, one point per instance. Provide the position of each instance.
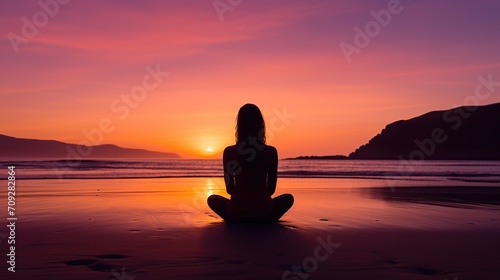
(250, 123)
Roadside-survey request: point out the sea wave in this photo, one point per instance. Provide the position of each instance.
(467, 171)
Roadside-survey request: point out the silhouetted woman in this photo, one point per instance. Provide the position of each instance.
(250, 174)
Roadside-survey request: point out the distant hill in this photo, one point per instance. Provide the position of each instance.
(12, 148)
(463, 133)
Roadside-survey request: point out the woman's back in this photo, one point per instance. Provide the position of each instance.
(255, 172)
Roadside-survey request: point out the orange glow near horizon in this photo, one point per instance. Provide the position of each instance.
(89, 61)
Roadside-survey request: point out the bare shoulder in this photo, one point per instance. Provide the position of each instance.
(230, 150)
(271, 151)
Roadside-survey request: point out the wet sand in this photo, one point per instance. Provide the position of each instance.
(338, 229)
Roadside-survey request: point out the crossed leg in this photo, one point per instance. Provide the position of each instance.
(218, 204)
(281, 204)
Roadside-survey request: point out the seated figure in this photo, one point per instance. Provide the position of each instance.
(250, 174)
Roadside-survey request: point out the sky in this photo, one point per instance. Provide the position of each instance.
(171, 75)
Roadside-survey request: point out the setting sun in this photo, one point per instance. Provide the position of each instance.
(210, 150)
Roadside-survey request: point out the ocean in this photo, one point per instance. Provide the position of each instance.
(443, 172)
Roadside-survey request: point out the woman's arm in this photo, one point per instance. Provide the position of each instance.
(272, 172)
(228, 171)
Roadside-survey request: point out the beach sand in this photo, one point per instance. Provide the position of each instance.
(337, 229)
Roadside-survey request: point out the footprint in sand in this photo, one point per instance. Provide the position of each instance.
(96, 264)
(81, 262)
(112, 256)
(101, 266)
(425, 271)
(392, 261)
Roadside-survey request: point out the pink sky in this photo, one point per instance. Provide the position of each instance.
(280, 55)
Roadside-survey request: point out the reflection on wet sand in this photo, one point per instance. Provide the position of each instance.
(462, 197)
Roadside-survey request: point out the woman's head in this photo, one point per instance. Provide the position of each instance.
(250, 123)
